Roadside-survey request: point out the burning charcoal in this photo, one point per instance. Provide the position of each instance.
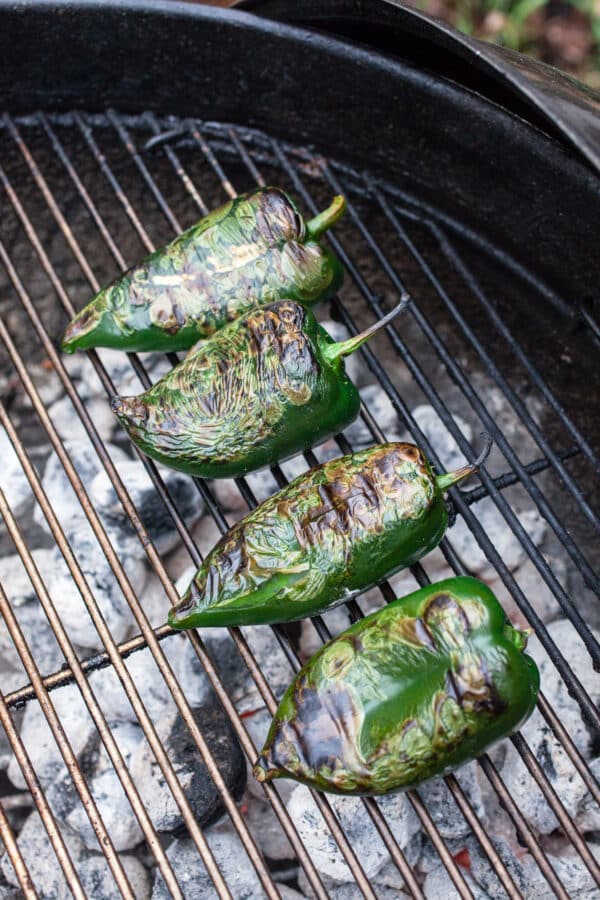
(38, 739)
(356, 368)
(380, 406)
(13, 481)
(147, 501)
(501, 536)
(102, 582)
(359, 827)
(195, 780)
(110, 797)
(193, 879)
(71, 428)
(445, 446)
(442, 806)
(58, 487)
(92, 868)
(540, 738)
(266, 828)
(230, 666)
(588, 817)
(439, 884)
(147, 678)
(30, 616)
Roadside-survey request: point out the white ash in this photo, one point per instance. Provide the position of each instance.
(147, 502)
(439, 884)
(443, 808)
(57, 486)
(92, 868)
(535, 590)
(47, 382)
(588, 815)
(273, 662)
(111, 800)
(525, 872)
(267, 830)
(30, 616)
(555, 763)
(358, 826)
(147, 678)
(193, 878)
(356, 368)
(232, 670)
(103, 583)
(71, 428)
(500, 535)
(39, 741)
(444, 444)
(13, 480)
(380, 407)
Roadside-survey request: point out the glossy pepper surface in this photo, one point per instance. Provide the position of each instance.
(252, 251)
(265, 387)
(414, 690)
(336, 530)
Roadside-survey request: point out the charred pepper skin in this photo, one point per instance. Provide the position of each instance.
(412, 691)
(335, 531)
(250, 252)
(265, 387)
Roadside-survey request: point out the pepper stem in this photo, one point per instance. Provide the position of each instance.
(344, 348)
(324, 220)
(448, 479)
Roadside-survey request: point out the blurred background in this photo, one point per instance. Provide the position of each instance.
(564, 34)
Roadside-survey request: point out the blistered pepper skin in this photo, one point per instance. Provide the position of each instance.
(265, 387)
(333, 532)
(250, 252)
(414, 690)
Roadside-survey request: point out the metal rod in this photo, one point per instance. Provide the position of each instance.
(41, 804)
(16, 857)
(64, 745)
(140, 640)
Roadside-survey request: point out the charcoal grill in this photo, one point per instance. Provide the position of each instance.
(123, 124)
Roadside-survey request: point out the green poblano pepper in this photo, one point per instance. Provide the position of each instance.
(335, 531)
(252, 251)
(265, 387)
(414, 690)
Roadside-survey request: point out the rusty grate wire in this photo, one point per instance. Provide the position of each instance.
(104, 160)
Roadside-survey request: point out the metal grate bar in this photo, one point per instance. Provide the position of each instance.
(576, 689)
(331, 819)
(126, 138)
(569, 827)
(524, 828)
(112, 654)
(459, 377)
(462, 502)
(522, 746)
(58, 732)
(16, 857)
(113, 560)
(197, 558)
(41, 804)
(373, 810)
(177, 165)
(516, 403)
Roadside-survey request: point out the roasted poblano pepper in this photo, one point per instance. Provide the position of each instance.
(414, 690)
(265, 387)
(335, 531)
(252, 251)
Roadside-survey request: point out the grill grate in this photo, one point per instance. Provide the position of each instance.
(104, 157)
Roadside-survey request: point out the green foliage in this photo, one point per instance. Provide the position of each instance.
(526, 25)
